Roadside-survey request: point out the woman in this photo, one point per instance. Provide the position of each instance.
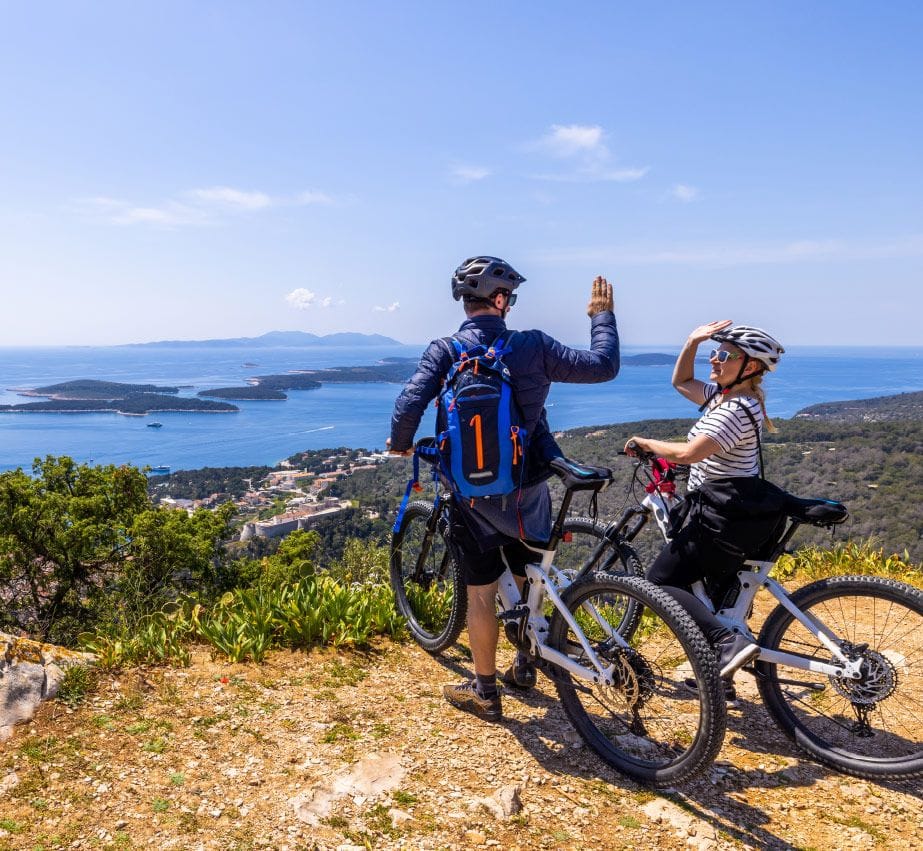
(724, 442)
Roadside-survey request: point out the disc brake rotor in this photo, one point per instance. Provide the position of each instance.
(878, 682)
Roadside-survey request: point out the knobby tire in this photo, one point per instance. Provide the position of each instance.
(428, 588)
(870, 728)
(649, 725)
(623, 559)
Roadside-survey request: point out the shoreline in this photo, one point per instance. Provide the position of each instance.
(130, 413)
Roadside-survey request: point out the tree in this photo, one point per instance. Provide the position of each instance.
(81, 544)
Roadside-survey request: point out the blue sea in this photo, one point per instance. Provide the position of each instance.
(357, 415)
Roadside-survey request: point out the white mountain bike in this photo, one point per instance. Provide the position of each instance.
(840, 667)
(620, 677)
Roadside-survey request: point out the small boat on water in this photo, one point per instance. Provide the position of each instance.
(160, 470)
(155, 425)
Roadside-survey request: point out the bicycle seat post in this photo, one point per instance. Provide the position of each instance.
(557, 528)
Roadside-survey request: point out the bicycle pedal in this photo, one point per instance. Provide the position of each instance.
(513, 614)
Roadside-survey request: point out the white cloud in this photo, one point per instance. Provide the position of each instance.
(313, 197)
(234, 198)
(170, 214)
(304, 299)
(568, 140)
(395, 305)
(469, 173)
(744, 254)
(685, 193)
(204, 206)
(595, 174)
(587, 158)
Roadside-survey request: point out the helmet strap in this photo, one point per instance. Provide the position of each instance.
(741, 378)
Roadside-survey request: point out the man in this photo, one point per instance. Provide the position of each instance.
(489, 534)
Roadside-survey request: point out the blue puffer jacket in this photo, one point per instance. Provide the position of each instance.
(535, 361)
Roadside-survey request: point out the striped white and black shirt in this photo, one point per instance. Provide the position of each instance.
(728, 425)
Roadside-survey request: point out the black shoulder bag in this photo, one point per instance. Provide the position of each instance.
(741, 515)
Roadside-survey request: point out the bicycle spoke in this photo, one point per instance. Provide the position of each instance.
(427, 589)
(648, 722)
(871, 726)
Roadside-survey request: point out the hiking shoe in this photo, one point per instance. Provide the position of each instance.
(465, 696)
(519, 676)
(734, 652)
(730, 693)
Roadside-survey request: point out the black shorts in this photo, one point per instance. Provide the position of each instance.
(482, 567)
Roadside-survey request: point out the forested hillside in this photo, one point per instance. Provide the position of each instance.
(874, 467)
(902, 406)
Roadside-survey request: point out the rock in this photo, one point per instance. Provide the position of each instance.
(502, 805)
(508, 798)
(29, 674)
(399, 817)
(22, 688)
(370, 777)
(11, 781)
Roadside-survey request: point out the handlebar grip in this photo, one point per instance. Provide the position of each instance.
(638, 451)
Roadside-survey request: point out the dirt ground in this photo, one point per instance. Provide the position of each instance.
(219, 756)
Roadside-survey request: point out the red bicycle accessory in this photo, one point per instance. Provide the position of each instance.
(662, 475)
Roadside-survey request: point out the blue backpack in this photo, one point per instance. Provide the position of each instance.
(479, 431)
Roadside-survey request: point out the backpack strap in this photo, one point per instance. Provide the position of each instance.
(756, 431)
(708, 399)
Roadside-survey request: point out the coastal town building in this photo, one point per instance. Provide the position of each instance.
(300, 517)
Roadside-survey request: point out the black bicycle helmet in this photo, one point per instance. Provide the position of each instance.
(482, 276)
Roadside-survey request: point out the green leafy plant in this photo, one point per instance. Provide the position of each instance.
(78, 681)
(813, 562)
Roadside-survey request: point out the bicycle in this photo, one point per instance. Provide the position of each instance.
(628, 704)
(840, 667)
(430, 592)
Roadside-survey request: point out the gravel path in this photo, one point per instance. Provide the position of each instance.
(334, 750)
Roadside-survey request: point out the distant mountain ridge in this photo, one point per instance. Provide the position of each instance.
(281, 338)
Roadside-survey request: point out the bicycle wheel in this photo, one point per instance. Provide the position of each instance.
(428, 589)
(873, 727)
(586, 535)
(649, 725)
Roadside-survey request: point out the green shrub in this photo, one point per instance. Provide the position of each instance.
(810, 563)
(241, 625)
(161, 637)
(78, 681)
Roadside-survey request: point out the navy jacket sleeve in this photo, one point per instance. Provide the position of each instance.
(600, 363)
(422, 387)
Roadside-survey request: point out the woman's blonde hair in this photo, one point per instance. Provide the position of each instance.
(756, 386)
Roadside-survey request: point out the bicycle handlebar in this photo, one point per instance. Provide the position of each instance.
(638, 452)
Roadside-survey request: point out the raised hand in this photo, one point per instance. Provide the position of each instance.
(600, 297)
(703, 332)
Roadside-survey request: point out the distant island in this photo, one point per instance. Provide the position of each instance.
(650, 359)
(901, 406)
(89, 395)
(249, 393)
(86, 389)
(86, 396)
(282, 339)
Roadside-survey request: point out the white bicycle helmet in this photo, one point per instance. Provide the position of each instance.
(754, 343)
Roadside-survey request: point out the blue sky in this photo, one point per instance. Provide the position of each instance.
(213, 169)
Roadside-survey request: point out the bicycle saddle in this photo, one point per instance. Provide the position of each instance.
(581, 477)
(818, 512)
